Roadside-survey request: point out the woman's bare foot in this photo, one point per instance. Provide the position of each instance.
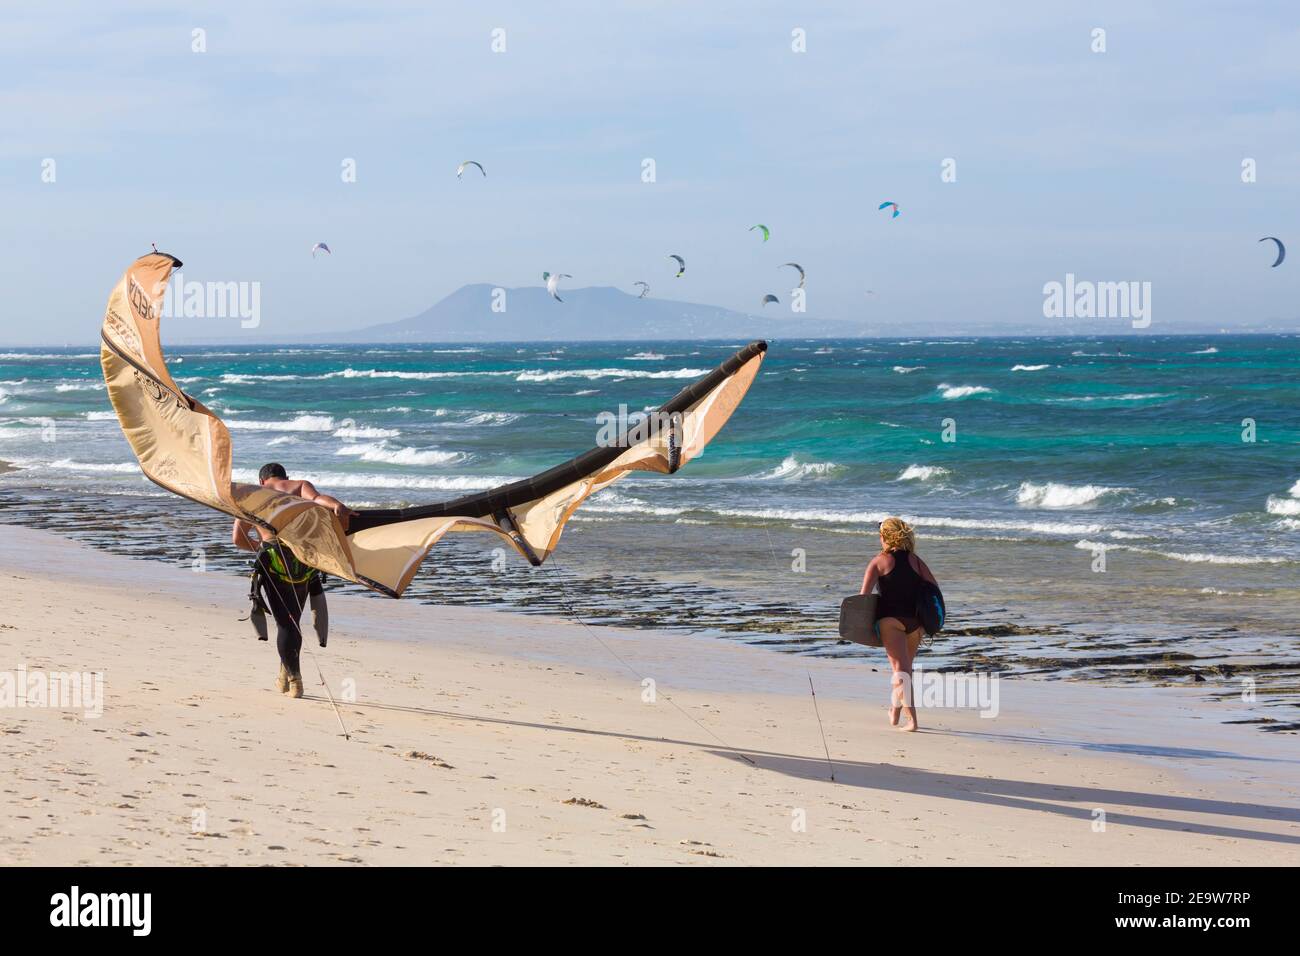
(896, 698)
(910, 726)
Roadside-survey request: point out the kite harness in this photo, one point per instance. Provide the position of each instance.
(280, 585)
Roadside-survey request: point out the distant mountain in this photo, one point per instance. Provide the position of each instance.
(598, 313)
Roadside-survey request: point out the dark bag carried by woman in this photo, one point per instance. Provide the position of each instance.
(858, 620)
(930, 609)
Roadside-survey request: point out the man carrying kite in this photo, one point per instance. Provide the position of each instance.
(282, 583)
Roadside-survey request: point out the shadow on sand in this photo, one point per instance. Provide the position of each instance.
(1138, 750)
(989, 791)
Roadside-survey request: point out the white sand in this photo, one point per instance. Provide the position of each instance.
(523, 714)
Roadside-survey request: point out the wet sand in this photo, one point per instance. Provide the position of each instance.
(480, 736)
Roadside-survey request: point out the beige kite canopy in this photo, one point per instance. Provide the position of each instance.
(185, 448)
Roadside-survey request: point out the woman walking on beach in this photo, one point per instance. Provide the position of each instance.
(899, 573)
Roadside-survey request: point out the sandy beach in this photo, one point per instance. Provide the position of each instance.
(482, 737)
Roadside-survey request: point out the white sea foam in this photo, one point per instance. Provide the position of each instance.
(479, 419)
(379, 452)
(792, 469)
(921, 473)
(869, 519)
(101, 416)
(285, 440)
(43, 356)
(68, 464)
(1053, 494)
(612, 502)
(362, 431)
(1283, 506)
(904, 369)
(1209, 351)
(1127, 397)
(1029, 368)
(79, 387)
(248, 378)
(645, 357)
(537, 375)
(434, 351)
(418, 376)
(330, 480)
(303, 423)
(1187, 557)
(961, 391)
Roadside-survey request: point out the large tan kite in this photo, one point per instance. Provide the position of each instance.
(186, 449)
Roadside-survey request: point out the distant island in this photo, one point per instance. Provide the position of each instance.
(483, 312)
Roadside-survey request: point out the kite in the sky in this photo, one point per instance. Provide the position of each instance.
(886, 205)
(795, 265)
(1281, 249)
(185, 448)
(645, 289)
(770, 298)
(767, 233)
(681, 262)
(553, 283)
(460, 170)
(320, 247)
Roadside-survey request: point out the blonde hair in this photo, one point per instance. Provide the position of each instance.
(897, 535)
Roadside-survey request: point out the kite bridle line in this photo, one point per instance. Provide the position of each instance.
(564, 597)
(816, 710)
(297, 626)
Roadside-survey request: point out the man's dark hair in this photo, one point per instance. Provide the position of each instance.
(271, 470)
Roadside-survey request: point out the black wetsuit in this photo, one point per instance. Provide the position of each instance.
(286, 585)
(899, 590)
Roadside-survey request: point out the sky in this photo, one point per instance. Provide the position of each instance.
(1122, 165)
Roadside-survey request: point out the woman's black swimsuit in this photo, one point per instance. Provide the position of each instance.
(899, 590)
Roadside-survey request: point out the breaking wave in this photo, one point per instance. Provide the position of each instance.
(1052, 494)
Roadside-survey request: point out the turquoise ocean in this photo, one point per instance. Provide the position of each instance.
(1122, 509)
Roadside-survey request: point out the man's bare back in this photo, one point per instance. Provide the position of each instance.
(278, 481)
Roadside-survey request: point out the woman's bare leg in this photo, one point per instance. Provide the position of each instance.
(896, 645)
(912, 643)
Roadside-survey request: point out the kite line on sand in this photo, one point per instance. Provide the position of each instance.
(564, 598)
